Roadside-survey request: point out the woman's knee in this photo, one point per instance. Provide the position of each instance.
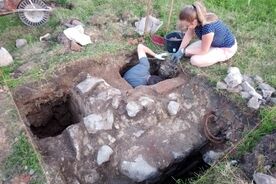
(195, 61)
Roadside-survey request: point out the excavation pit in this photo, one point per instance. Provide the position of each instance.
(51, 118)
(156, 131)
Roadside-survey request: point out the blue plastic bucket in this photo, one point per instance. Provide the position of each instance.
(173, 41)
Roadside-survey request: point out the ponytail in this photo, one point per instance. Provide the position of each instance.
(199, 12)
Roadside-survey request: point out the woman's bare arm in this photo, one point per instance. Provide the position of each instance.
(187, 38)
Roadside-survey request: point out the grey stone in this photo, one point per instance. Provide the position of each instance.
(109, 94)
(116, 102)
(75, 137)
(20, 43)
(88, 84)
(254, 103)
(91, 177)
(211, 157)
(261, 178)
(234, 77)
(249, 89)
(221, 85)
(273, 100)
(173, 108)
(245, 95)
(25, 67)
(145, 101)
(133, 108)
(248, 79)
(104, 154)
(258, 79)
(139, 133)
(96, 122)
(5, 57)
(236, 89)
(139, 170)
(267, 90)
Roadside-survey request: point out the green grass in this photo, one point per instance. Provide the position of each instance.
(23, 159)
(223, 173)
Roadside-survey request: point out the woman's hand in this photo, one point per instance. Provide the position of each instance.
(176, 57)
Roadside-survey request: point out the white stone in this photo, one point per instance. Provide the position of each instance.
(116, 102)
(139, 170)
(139, 133)
(104, 154)
(88, 84)
(234, 77)
(221, 85)
(111, 139)
(145, 101)
(211, 157)
(173, 108)
(267, 90)
(133, 108)
(173, 96)
(96, 122)
(261, 178)
(109, 94)
(20, 43)
(5, 57)
(249, 89)
(254, 103)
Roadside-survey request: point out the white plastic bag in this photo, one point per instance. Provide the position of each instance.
(77, 34)
(152, 27)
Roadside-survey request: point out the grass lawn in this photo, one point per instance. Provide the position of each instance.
(252, 21)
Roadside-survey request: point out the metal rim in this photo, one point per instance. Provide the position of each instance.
(35, 18)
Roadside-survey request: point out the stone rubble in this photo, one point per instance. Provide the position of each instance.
(104, 154)
(149, 131)
(252, 88)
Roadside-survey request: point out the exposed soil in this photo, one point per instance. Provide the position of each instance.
(262, 158)
(51, 118)
(49, 110)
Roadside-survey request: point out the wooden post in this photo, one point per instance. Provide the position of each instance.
(148, 15)
(170, 15)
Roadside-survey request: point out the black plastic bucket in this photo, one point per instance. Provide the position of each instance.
(173, 41)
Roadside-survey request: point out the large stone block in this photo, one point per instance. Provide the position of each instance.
(139, 170)
(97, 122)
(88, 84)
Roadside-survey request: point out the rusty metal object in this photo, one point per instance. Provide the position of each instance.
(208, 133)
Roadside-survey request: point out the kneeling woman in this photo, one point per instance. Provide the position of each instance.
(216, 44)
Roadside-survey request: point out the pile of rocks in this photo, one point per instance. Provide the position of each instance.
(252, 88)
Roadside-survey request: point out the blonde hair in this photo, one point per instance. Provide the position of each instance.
(198, 12)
